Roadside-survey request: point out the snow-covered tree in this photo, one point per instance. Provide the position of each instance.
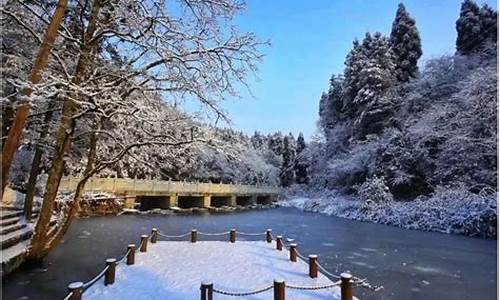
(477, 29)
(331, 110)
(468, 27)
(287, 170)
(275, 143)
(437, 130)
(301, 164)
(369, 72)
(405, 43)
(129, 53)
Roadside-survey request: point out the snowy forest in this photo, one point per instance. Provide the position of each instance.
(400, 141)
(162, 140)
(105, 97)
(417, 147)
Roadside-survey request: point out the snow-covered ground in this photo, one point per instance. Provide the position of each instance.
(448, 211)
(174, 270)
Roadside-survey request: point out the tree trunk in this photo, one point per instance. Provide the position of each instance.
(16, 131)
(65, 132)
(7, 118)
(57, 235)
(35, 165)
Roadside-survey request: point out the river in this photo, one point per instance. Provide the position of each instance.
(409, 264)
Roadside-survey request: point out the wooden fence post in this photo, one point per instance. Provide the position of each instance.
(131, 254)
(109, 275)
(345, 286)
(144, 243)
(279, 242)
(293, 252)
(279, 289)
(269, 236)
(207, 290)
(154, 235)
(194, 234)
(232, 235)
(313, 266)
(77, 289)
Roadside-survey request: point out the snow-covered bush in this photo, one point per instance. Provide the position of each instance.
(448, 210)
(374, 190)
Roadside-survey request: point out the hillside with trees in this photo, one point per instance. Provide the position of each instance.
(421, 144)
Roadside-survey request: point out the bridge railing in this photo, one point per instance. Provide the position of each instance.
(137, 185)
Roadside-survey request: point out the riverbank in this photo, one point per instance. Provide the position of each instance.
(448, 211)
(196, 210)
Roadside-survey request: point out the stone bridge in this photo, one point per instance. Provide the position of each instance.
(168, 194)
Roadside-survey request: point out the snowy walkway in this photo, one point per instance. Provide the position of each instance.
(174, 270)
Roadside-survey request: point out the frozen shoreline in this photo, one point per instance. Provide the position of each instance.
(473, 216)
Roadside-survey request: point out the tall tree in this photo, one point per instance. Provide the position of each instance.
(405, 43)
(477, 29)
(368, 74)
(489, 28)
(331, 106)
(301, 176)
(468, 28)
(287, 172)
(132, 50)
(22, 111)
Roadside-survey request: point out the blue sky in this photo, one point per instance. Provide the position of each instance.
(310, 40)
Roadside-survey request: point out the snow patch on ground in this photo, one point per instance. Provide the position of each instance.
(448, 211)
(174, 270)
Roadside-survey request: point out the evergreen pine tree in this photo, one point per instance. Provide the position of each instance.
(331, 104)
(300, 161)
(405, 43)
(369, 73)
(352, 73)
(477, 29)
(275, 143)
(257, 140)
(468, 28)
(489, 28)
(287, 172)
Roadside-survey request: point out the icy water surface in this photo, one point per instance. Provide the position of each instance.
(409, 264)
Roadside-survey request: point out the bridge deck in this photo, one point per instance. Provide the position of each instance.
(168, 194)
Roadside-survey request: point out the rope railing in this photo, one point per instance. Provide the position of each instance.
(213, 234)
(76, 289)
(194, 233)
(326, 272)
(124, 258)
(68, 296)
(91, 282)
(318, 287)
(279, 286)
(243, 294)
(251, 233)
(173, 236)
(358, 282)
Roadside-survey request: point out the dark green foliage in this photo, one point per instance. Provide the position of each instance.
(477, 29)
(331, 107)
(287, 172)
(405, 43)
(301, 162)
